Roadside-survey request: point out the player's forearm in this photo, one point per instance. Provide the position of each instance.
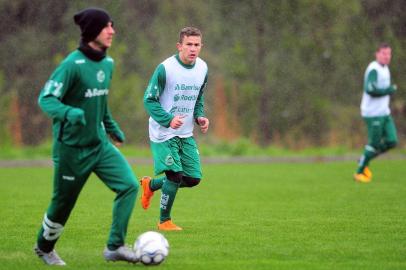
(379, 92)
(109, 123)
(199, 106)
(155, 110)
(53, 107)
(372, 89)
(111, 126)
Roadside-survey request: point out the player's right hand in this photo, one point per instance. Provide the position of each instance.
(177, 121)
(76, 116)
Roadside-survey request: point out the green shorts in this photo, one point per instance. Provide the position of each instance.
(381, 129)
(178, 155)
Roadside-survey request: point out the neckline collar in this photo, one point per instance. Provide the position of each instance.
(91, 53)
(183, 64)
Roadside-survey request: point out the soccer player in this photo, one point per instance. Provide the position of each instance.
(75, 97)
(174, 100)
(375, 110)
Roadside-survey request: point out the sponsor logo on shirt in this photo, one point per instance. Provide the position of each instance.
(96, 92)
(184, 97)
(183, 87)
(176, 109)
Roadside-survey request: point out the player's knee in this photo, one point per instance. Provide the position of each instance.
(391, 144)
(374, 148)
(190, 181)
(174, 176)
(131, 186)
(135, 185)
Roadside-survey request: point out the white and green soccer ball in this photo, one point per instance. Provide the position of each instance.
(151, 248)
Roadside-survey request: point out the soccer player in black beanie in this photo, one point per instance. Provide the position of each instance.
(92, 21)
(76, 98)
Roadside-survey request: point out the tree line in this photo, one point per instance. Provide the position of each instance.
(283, 72)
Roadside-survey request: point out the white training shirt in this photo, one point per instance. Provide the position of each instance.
(376, 106)
(179, 97)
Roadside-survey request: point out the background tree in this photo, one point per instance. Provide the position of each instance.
(281, 72)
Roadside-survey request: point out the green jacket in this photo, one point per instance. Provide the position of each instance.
(80, 83)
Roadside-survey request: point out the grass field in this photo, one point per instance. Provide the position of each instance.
(257, 216)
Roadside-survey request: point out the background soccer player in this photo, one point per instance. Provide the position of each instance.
(75, 97)
(376, 112)
(174, 100)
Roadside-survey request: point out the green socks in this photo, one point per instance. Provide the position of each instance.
(169, 190)
(156, 183)
(369, 154)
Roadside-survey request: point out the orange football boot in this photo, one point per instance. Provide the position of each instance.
(367, 172)
(147, 193)
(168, 226)
(360, 177)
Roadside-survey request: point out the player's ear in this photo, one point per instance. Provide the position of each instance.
(178, 46)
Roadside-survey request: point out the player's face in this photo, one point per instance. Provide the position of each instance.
(189, 49)
(383, 56)
(105, 38)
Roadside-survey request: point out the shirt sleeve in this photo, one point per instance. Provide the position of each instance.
(152, 94)
(199, 106)
(371, 88)
(110, 124)
(50, 98)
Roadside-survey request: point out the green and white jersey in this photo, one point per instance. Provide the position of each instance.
(175, 89)
(79, 82)
(377, 90)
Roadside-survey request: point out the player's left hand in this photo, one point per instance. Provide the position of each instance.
(118, 138)
(203, 123)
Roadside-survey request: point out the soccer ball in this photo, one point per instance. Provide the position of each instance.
(151, 248)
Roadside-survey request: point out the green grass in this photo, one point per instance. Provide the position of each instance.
(207, 148)
(268, 216)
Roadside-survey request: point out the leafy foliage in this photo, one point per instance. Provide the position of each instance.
(288, 69)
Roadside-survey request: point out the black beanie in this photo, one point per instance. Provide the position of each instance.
(91, 21)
